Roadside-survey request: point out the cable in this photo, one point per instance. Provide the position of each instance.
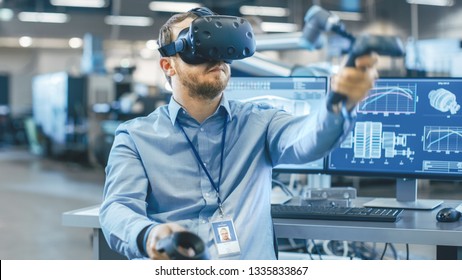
(308, 249)
(317, 249)
(283, 187)
(337, 247)
(407, 251)
(384, 250)
(393, 250)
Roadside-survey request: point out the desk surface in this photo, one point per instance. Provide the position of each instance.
(87, 217)
(414, 227)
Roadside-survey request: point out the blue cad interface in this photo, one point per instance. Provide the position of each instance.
(406, 127)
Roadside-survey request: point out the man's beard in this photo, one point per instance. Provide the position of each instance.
(202, 89)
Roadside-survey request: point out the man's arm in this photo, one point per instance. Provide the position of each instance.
(304, 139)
(123, 211)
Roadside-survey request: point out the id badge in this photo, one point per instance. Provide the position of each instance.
(225, 237)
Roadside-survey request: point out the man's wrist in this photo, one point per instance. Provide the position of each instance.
(143, 238)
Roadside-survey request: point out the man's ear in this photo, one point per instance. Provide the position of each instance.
(167, 66)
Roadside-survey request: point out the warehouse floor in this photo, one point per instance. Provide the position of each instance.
(34, 192)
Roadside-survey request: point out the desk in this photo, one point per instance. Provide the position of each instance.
(89, 218)
(414, 227)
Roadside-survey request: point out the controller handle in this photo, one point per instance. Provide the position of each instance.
(366, 44)
(183, 245)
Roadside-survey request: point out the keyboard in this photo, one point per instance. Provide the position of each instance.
(370, 214)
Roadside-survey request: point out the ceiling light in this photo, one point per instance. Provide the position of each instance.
(25, 41)
(128, 20)
(43, 17)
(6, 14)
(75, 42)
(446, 3)
(152, 44)
(80, 3)
(146, 53)
(352, 16)
(175, 7)
(264, 11)
(278, 27)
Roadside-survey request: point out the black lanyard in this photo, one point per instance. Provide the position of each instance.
(199, 159)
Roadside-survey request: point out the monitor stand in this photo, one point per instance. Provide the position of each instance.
(406, 198)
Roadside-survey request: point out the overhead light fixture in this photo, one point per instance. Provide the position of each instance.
(25, 41)
(128, 20)
(170, 6)
(444, 3)
(278, 27)
(6, 14)
(351, 16)
(75, 42)
(43, 17)
(80, 3)
(264, 11)
(152, 45)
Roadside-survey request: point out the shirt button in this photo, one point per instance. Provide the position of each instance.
(207, 194)
(202, 129)
(205, 164)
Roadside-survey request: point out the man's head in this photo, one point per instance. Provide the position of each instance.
(224, 233)
(206, 80)
(198, 45)
(169, 31)
(212, 37)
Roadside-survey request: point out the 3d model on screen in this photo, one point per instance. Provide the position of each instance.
(443, 100)
(296, 107)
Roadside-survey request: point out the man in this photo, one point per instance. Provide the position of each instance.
(203, 162)
(224, 234)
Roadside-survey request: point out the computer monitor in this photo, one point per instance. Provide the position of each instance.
(407, 128)
(296, 95)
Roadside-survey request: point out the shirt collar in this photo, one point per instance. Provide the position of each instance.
(174, 108)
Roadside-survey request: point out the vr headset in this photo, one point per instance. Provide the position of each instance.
(212, 37)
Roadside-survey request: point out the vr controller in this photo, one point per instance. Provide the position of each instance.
(183, 245)
(318, 21)
(366, 44)
(213, 37)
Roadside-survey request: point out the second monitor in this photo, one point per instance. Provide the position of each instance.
(296, 95)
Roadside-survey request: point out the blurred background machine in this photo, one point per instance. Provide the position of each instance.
(61, 108)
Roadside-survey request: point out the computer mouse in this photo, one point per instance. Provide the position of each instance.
(448, 215)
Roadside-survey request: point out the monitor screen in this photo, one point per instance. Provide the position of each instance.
(296, 95)
(405, 128)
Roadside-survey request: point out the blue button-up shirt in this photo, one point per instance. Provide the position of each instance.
(153, 177)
